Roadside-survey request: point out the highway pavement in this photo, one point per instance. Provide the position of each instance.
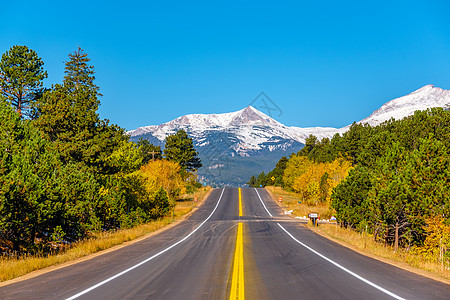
(237, 244)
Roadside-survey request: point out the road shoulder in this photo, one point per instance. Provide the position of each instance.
(39, 272)
(401, 265)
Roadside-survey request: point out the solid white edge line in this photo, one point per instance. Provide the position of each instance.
(341, 267)
(331, 261)
(263, 203)
(148, 259)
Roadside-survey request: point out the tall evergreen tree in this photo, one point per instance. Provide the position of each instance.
(261, 180)
(252, 181)
(68, 115)
(21, 76)
(275, 177)
(41, 199)
(180, 148)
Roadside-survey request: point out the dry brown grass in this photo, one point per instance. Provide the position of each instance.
(12, 268)
(290, 202)
(362, 242)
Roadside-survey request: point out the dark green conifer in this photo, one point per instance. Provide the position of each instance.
(21, 76)
(180, 148)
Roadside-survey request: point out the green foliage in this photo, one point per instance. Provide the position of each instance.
(275, 177)
(180, 149)
(160, 204)
(401, 176)
(261, 180)
(21, 76)
(310, 144)
(252, 182)
(34, 195)
(349, 196)
(68, 117)
(130, 203)
(67, 172)
(125, 159)
(400, 179)
(149, 151)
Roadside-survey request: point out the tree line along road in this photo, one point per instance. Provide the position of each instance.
(237, 245)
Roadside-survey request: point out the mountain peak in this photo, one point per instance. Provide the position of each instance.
(251, 116)
(248, 116)
(426, 89)
(426, 97)
(249, 141)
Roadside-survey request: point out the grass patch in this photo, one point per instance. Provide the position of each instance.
(362, 242)
(11, 268)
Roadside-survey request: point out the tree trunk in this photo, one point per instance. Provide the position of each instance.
(375, 233)
(396, 236)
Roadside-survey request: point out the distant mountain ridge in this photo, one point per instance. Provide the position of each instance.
(426, 97)
(233, 146)
(253, 129)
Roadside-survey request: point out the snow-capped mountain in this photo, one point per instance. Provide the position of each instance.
(253, 130)
(233, 146)
(244, 123)
(426, 97)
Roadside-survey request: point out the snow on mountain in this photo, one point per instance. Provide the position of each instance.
(250, 127)
(253, 130)
(426, 97)
(199, 122)
(233, 146)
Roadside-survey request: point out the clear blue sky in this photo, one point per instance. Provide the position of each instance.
(324, 63)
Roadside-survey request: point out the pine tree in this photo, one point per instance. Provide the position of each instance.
(180, 148)
(68, 116)
(261, 180)
(21, 76)
(252, 182)
(310, 143)
(349, 197)
(275, 177)
(42, 200)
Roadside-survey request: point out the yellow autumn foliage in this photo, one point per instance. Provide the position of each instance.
(437, 242)
(165, 174)
(314, 181)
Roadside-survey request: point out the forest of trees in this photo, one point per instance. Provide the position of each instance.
(394, 178)
(64, 171)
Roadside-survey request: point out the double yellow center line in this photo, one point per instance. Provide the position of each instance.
(237, 281)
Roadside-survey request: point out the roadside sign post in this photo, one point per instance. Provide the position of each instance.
(333, 218)
(314, 218)
(365, 238)
(336, 228)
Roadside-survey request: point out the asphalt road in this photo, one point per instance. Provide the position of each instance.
(195, 259)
